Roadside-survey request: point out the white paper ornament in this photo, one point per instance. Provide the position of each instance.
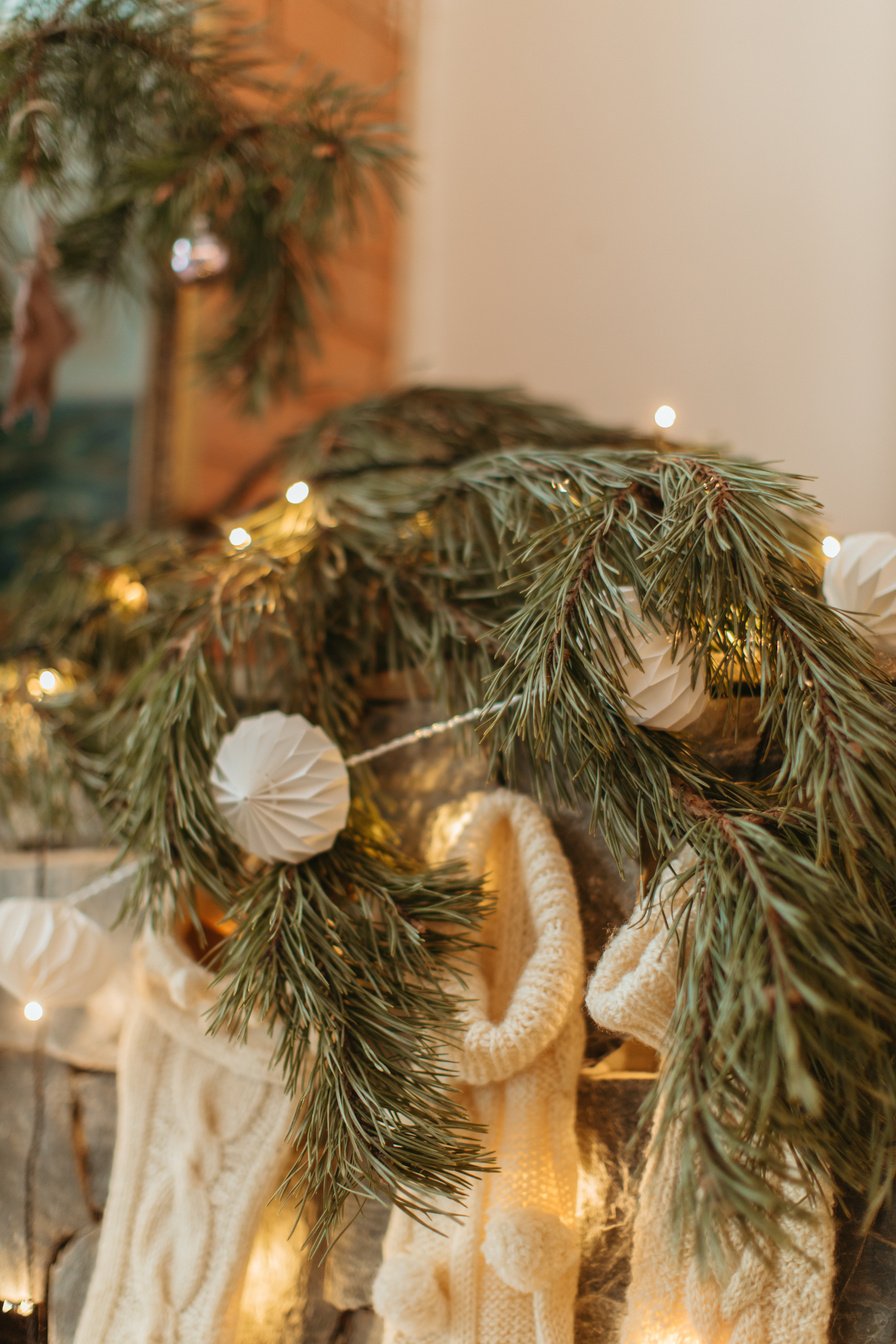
(661, 690)
(860, 581)
(282, 785)
(52, 954)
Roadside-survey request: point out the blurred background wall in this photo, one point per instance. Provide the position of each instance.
(629, 202)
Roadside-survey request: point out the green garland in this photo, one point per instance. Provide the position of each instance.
(482, 540)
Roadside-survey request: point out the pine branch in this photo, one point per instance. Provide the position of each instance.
(162, 732)
(811, 854)
(350, 958)
(483, 541)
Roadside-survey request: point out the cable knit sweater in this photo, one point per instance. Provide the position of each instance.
(783, 1301)
(198, 1151)
(506, 1272)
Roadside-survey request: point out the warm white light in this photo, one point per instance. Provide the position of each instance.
(298, 492)
(25, 1307)
(134, 596)
(33, 1011)
(7, 1305)
(240, 538)
(48, 680)
(665, 417)
(831, 547)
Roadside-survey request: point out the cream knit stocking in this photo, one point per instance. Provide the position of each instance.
(783, 1301)
(507, 1272)
(199, 1148)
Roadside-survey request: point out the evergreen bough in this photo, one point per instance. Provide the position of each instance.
(482, 541)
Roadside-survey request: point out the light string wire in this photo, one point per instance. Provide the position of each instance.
(39, 1102)
(424, 733)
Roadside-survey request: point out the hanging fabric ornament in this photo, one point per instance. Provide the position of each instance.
(201, 257)
(199, 1150)
(860, 581)
(663, 691)
(282, 786)
(42, 331)
(507, 1270)
(51, 955)
(780, 1298)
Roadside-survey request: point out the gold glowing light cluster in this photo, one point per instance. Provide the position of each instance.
(46, 682)
(126, 593)
(274, 527)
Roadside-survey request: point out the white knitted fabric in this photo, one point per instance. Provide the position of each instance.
(198, 1151)
(786, 1300)
(506, 1273)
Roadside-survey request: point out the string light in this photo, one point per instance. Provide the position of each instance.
(297, 493)
(831, 547)
(134, 597)
(665, 417)
(33, 1011)
(127, 592)
(240, 538)
(46, 682)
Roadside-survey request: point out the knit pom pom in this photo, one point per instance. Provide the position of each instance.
(408, 1293)
(529, 1248)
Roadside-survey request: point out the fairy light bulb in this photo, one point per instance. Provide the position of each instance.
(33, 1011)
(830, 547)
(134, 597)
(45, 682)
(126, 591)
(25, 1307)
(297, 493)
(240, 538)
(665, 417)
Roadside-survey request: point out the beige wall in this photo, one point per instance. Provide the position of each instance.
(629, 202)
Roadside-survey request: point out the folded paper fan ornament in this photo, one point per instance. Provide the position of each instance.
(663, 692)
(860, 581)
(52, 954)
(282, 786)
